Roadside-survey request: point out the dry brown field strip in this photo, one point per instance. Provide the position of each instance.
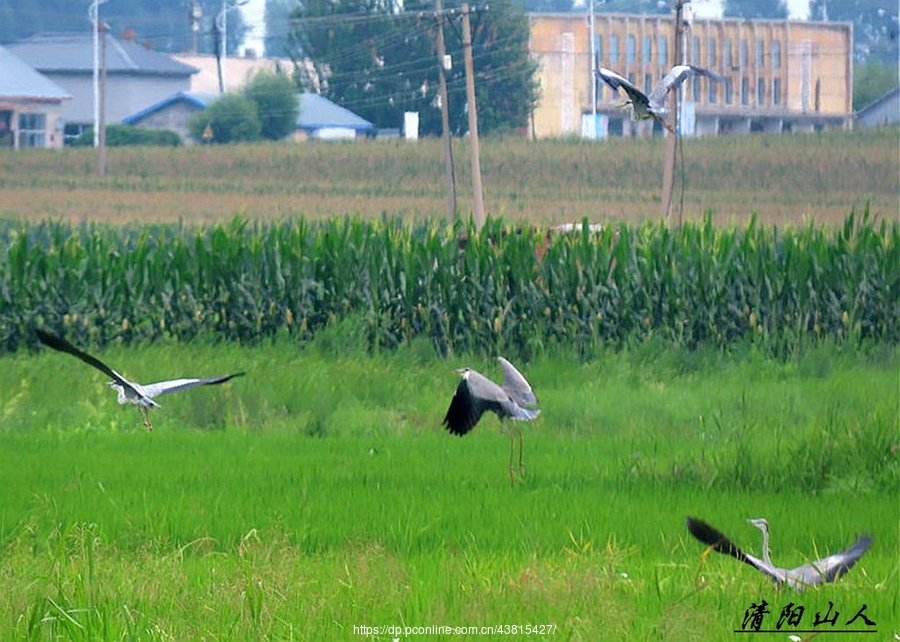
(783, 180)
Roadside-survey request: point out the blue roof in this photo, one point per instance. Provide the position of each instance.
(21, 80)
(317, 112)
(74, 53)
(199, 99)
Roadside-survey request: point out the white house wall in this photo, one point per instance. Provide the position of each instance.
(125, 95)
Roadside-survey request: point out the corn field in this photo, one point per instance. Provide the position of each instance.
(501, 290)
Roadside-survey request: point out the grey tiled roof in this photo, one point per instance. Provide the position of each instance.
(74, 53)
(317, 112)
(20, 80)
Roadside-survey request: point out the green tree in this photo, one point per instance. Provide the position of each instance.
(122, 135)
(662, 7)
(276, 18)
(378, 59)
(160, 24)
(506, 85)
(768, 9)
(872, 80)
(231, 118)
(875, 26)
(275, 95)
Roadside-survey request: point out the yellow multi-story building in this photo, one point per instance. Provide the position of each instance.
(779, 75)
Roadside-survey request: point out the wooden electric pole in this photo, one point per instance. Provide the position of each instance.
(445, 110)
(478, 213)
(672, 140)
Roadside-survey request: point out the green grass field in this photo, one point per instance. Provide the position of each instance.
(318, 498)
(319, 493)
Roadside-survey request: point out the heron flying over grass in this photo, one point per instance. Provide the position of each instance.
(654, 105)
(477, 394)
(128, 391)
(827, 569)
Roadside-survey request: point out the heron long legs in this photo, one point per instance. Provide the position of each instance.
(145, 413)
(665, 124)
(514, 431)
(512, 448)
(521, 451)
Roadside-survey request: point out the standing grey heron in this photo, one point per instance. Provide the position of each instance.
(827, 569)
(476, 394)
(654, 105)
(128, 391)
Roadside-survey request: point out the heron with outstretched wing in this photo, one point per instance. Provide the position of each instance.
(476, 394)
(826, 569)
(128, 391)
(654, 105)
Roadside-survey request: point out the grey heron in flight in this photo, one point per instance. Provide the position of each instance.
(827, 569)
(128, 391)
(477, 394)
(654, 105)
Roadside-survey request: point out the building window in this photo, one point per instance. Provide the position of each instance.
(711, 53)
(614, 49)
(661, 43)
(32, 130)
(743, 54)
(726, 54)
(695, 89)
(648, 84)
(745, 91)
(760, 50)
(760, 92)
(645, 54)
(615, 127)
(629, 52)
(729, 92)
(695, 50)
(598, 51)
(711, 92)
(6, 134)
(776, 91)
(776, 54)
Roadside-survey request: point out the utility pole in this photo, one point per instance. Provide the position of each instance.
(221, 28)
(195, 13)
(592, 68)
(443, 68)
(101, 140)
(478, 213)
(672, 140)
(94, 16)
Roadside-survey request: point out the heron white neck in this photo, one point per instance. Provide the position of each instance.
(765, 547)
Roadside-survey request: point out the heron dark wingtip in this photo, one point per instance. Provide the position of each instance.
(458, 419)
(715, 539)
(52, 340)
(58, 343)
(230, 377)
